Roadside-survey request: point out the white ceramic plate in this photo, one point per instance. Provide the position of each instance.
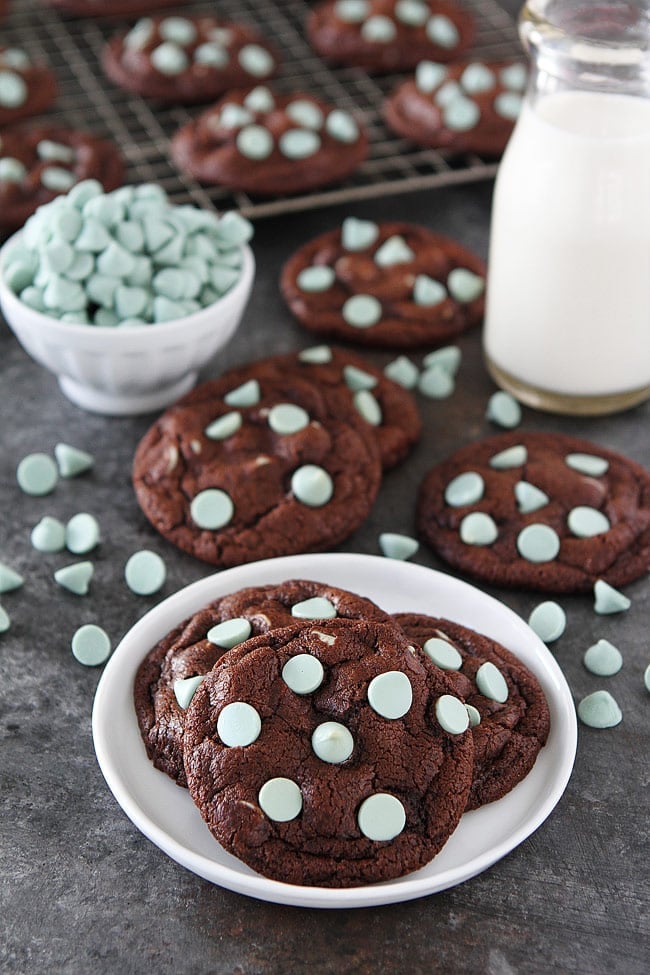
(166, 814)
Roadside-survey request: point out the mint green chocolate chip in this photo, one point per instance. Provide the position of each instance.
(234, 116)
(177, 29)
(413, 13)
(185, 688)
(356, 379)
(230, 633)
(352, 11)
(514, 76)
(13, 90)
(396, 546)
(12, 170)
(91, 645)
(478, 528)
(9, 578)
(316, 608)
(211, 55)
(82, 533)
(442, 31)
(169, 59)
(342, 126)
(464, 285)
(603, 659)
(37, 474)
(76, 577)
(452, 714)
(436, 383)
(212, 509)
(447, 358)
(15, 57)
(429, 75)
(390, 694)
(316, 278)
(477, 78)
(48, 535)
(587, 464)
(474, 715)
(367, 406)
(57, 178)
(402, 371)
(239, 724)
(145, 572)
(646, 678)
(443, 653)
(427, 292)
(608, 600)
(139, 35)
(299, 143)
(466, 488)
(538, 543)
(504, 410)
(259, 99)
(224, 426)
(115, 261)
(305, 113)
(599, 710)
(508, 104)
(332, 742)
(379, 29)
(357, 235)
(317, 355)
(255, 142)
(280, 799)
(362, 311)
(93, 237)
(312, 485)
(381, 817)
(491, 682)
(72, 461)
(548, 621)
(303, 674)
(287, 418)
(394, 250)
(5, 620)
(529, 498)
(461, 115)
(248, 394)
(505, 460)
(585, 522)
(256, 60)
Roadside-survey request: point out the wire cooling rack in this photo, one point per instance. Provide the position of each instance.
(72, 46)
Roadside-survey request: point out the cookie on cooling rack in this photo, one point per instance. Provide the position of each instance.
(187, 59)
(539, 511)
(40, 163)
(329, 754)
(509, 716)
(251, 466)
(170, 673)
(26, 87)
(270, 144)
(463, 107)
(389, 35)
(392, 285)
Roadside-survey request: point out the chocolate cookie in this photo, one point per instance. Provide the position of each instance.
(393, 285)
(268, 144)
(26, 88)
(464, 107)
(317, 754)
(168, 675)
(187, 59)
(389, 35)
(111, 8)
(245, 468)
(38, 164)
(510, 719)
(539, 511)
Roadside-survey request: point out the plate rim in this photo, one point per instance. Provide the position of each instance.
(408, 887)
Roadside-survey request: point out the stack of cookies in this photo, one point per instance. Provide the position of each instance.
(328, 743)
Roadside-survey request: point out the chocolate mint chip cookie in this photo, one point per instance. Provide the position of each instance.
(329, 754)
(26, 87)
(392, 285)
(248, 466)
(539, 511)
(509, 716)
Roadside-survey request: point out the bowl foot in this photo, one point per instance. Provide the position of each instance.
(121, 404)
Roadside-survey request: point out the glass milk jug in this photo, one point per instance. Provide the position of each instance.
(567, 325)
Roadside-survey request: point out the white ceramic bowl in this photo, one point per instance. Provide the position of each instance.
(124, 371)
